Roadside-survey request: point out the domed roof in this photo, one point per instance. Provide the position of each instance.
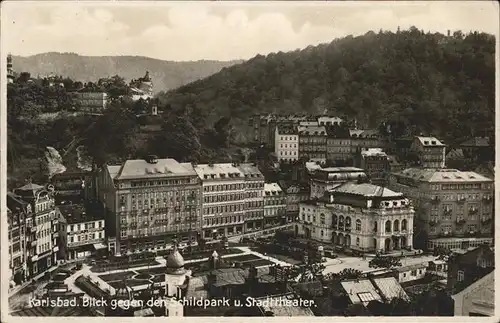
(175, 259)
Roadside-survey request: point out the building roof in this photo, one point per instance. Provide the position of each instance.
(482, 293)
(476, 142)
(271, 189)
(366, 189)
(285, 129)
(250, 170)
(139, 168)
(457, 153)
(175, 259)
(272, 304)
(79, 213)
(360, 133)
(312, 130)
(390, 288)
(218, 171)
(430, 141)
(411, 267)
(361, 291)
(30, 187)
(442, 175)
(238, 276)
(375, 152)
(329, 119)
(341, 169)
(113, 170)
(15, 202)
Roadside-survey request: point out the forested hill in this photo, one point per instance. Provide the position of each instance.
(166, 75)
(423, 82)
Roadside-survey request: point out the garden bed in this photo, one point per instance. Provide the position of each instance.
(242, 258)
(153, 271)
(118, 266)
(258, 263)
(146, 276)
(117, 276)
(284, 258)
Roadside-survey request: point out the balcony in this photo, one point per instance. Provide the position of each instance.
(460, 222)
(461, 199)
(487, 199)
(435, 199)
(433, 223)
(447, 211)
(473, 211)
(486, 220)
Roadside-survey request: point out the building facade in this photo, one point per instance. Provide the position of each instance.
(338, 145)
(142, 88)
(10, 69)
(454, 209)
(149, 203)
(430, 151)
(466, 268)
(362, 217)
(364, 139)
(16, 226)
(274, 205)
(295, 194)
(40, 232)
(85, 234)
(376, 165)
(91, 102)
(224, 198)
(254, 201)
(286, 144)
(312, 143)
(324, 179)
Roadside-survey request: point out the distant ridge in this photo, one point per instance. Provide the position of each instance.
(166, 75)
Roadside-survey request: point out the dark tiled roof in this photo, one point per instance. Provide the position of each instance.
(477, 142)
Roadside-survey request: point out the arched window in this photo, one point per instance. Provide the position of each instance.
(396, 226)
(358, 225)
(334, 221)
(347, 222)
(404, 225)
(388, 226)
(375, 226)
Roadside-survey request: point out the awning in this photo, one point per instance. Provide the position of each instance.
(98, 246)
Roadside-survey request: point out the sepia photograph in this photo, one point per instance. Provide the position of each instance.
(248, 159)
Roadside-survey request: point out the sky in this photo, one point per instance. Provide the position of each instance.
(220, 30)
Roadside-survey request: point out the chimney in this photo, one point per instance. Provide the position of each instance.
(151, 159)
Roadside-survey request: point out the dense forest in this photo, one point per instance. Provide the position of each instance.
(419, 82)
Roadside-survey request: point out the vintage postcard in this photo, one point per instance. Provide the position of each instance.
(248, 159)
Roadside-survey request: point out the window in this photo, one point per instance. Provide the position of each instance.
(460, 275)
(358, 225)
